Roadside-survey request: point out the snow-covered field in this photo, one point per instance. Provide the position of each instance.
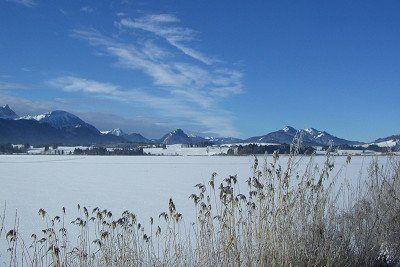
(142, 184)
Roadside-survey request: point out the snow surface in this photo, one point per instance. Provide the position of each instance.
(142, 184)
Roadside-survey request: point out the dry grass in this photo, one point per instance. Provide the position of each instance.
(286, 218)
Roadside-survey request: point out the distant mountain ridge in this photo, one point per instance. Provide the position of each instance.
(7, 113)
(63, 127)
(52, 127)
(30, 131)
(224, 140)
(309, 136)
(283, 136)
(318, 137)
(60, 119)
(392, 142)
(133, 137)
(178, 136)
(116, 132)
(389, 138)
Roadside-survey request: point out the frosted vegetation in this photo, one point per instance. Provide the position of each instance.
(301, 211)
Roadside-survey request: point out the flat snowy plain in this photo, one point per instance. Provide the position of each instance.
(141, 184)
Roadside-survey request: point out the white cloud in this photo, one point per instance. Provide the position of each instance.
(164, 25)
(154, 61)
(87, 9)
(147, 126)
(8, 86)
(102, 119)
(27, 3)
(183, 87)
(167, 106)
(74, 84)
(24, 106)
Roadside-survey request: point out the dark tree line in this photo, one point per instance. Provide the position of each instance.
(201, 144)
(372, 147)
(253, 149)
(104, 151)
(10, 149)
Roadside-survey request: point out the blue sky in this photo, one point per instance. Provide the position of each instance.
(237, 68)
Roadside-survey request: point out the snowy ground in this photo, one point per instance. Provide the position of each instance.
(142, 184)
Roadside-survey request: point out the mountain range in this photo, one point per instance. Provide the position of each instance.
(309, 136)
(7, 113)
(63, 127)
(133, 137)
(51, 127)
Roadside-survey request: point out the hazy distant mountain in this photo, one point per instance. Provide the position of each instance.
(223, 140)
(33, 132)
(133, 137)
(390, 141)
(175, 137)
(61, 119)
(75, 130)
(116, 132)
(214, 138)
(180, 137)
(310, 136)
(51, 127)
(29, 131)
(136, 138)
(389, 138)
(63, 127)
(283, 136)
(7, 113)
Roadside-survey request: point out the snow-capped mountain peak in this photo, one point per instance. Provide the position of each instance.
(7, 113)
(314, 133)
(116, 132)
(60, 119)
(133, 137)
(178, 136)
(310, 130)
(390, 141)
(288, 129)
(178, 132)
(310, 136)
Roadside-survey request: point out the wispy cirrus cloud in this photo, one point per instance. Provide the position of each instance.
(165, 26)
(181, 78)
(27, 3)
(172, 106)
(23, 106)
(9, 86)
(75, 84)
(103, 120)
(153, 61)
(87, 9)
